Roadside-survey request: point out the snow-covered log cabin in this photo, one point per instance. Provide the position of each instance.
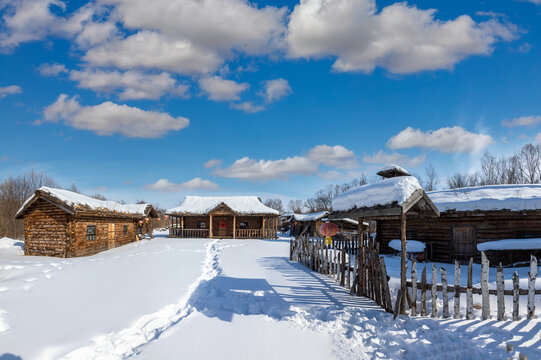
(306, 223)
(63, 223)
(502, 220)
(223, 217)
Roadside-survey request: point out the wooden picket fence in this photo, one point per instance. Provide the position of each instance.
(357, 265)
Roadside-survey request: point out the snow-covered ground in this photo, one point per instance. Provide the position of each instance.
(218, 299)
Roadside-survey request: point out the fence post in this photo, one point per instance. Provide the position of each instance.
(516, 291)
(484, 287)
(469, 292)
(499, 293)
(531, 287)
(445, 294)
(343, 276)
(423, 292)
(348, 285)
(457, 290)
(385, 286)
(414, 288)
(434, 291)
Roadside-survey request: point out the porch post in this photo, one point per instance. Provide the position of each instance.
(182, 225)
(210, 226)
(263, 228)
(234, 226)
(360, 259)
(403, 262)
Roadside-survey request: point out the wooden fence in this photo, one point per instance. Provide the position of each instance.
(356, 264)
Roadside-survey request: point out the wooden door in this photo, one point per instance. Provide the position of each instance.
(222, 227)
(464, 241)
(111, 237)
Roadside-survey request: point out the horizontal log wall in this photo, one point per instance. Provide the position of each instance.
(46, 230)
(82, 247)
(489, 226)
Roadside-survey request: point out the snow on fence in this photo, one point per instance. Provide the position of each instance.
(357, 265)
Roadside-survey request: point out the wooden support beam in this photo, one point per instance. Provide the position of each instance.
(403, 260)
(234, 226)
(210, 226)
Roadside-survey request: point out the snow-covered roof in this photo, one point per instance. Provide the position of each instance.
(510, 244)
(351, 221)
(384, 192)
(82, 202)
(310, 217)
(393, 169)
(493, 197)
(239, 204)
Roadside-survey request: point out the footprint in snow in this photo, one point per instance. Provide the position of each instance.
(27, 287)
(31, 279)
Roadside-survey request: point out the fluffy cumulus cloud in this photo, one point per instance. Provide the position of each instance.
(522, 121)
(251, 169)
(394, 159)
(274, 90)
(220, 89)
(446, 140)
(219, 25)
(193, 184)
(10, 90)
(109, 118)
(153, 50)
(400, 37)
(131, 84)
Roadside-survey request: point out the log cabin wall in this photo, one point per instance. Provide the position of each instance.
(46, 231)
(190, 222)
(448, 236)
(254, 222)
(106, 236)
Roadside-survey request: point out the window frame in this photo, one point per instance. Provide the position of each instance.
(201, 224)
(91, 236)
(244, 225)
(125, 230)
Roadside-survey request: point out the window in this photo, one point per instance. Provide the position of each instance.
(201, 225)
(90, 232)
(111, 231)
(243, 225)
(125, 230)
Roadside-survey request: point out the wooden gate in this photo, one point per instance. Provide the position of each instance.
(464, 242)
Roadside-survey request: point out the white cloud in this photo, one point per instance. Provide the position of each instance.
(109, 118)
(152, 50)
(52, 69)
(446, 140)
(194, 184)
(10, 90)
(220, 89)
(538, 137)
(219, 25)
(522, 121)
(274, 90)
(132, 84)
(213, 163)
(248, 107)
(394, 159)
(250, 169)
(336, 156)
(401, 38)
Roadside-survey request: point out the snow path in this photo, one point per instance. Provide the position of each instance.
(124, 343)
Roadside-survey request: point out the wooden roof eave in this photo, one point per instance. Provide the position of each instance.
(50, 199)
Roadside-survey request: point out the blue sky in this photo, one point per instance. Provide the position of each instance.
(133, 100)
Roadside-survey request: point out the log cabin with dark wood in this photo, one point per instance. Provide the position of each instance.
(306, 223)
(235, 217)
(63, 223)
(502, 220)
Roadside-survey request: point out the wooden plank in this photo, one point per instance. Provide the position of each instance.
(403, 259)
(348, 285)
(469, 294)
(385, 286)
(445, 294)
(457, 291)
(414, 288)
(500, 289)
(516, 299)
(532, 274)
(398, 303)
(434, 291)
(423, 292)
(343, 269)
(484, 287)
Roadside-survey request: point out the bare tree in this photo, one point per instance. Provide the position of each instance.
(275, 204)
(530, 160)
(13, 193)
(489, 170)
(98, 196)
(432, 179)
(295, 206)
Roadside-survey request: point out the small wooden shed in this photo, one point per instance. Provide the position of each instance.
(62, 223)
(306, 223)
(234, 217)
